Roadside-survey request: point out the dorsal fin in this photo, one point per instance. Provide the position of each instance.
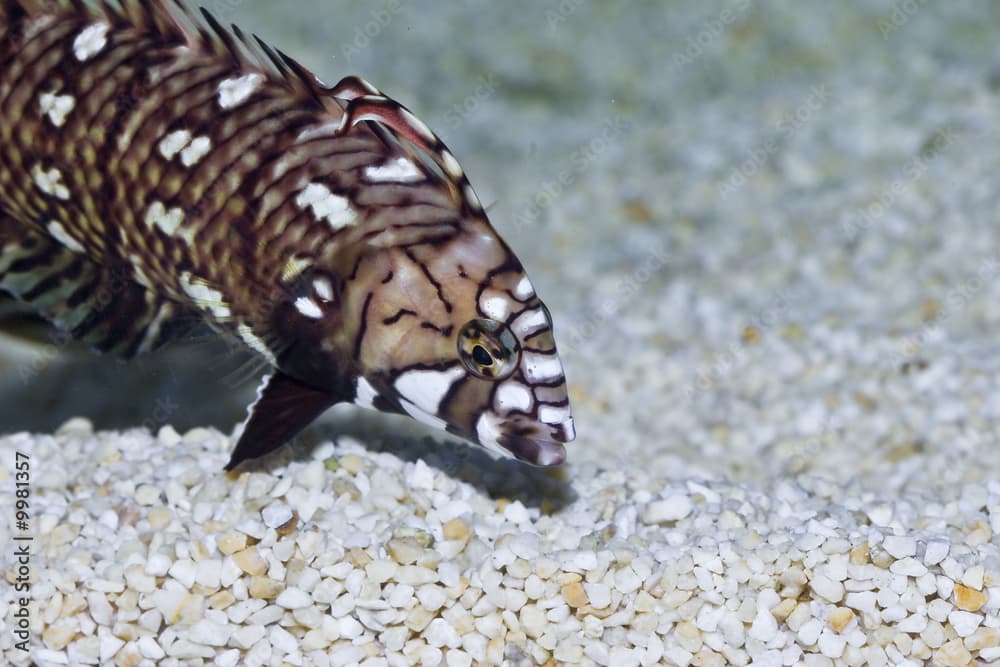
(279, 66)
(174, 21)
(226, 37)
(394, 122)
(231, 43)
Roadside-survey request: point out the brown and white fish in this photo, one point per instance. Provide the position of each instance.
(157, 169)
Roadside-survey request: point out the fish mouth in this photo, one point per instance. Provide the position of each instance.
(542, 453)
(539, 451)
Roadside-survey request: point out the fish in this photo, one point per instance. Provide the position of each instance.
(159, 172)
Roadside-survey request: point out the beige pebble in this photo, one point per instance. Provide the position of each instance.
(783, 609)
(969, 599)
(353, 463)
(232, 542)
(159, 518)
(575, 595)
(250, 561)
(859, 554)
(456, 529)
(953, 654)
(265, 588)
(983, 638)
(178, 606)
(58, 636)
(840, 618)
(404, 550)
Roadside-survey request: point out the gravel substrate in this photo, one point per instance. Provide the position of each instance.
(769, 238)
(148, 555)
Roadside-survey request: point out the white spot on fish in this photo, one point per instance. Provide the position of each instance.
(495, 307)
(90, 41)
(400, 170)
(59, 233)
(195, 151)
(308, 307)
(49, 182)
(56, 107)
(513, 396)
(426, 388)
(255, 343)
(326, 129)
(472, 197)
(418, 125)
(553, 415)
(191, 149)
(487, 429)
(528, 323)
(450, 164)
(204, 296)
(236, 91)
(172, 144)
(335, 209)
(323, 289)
(541, 367)
(365, 394)
(524, 289)
(422, 416)
(157, 215)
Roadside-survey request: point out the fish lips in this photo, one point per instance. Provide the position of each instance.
(542, 453)
(537, 451)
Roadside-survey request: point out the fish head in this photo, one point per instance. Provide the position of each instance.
(436, 316)
(456, 337)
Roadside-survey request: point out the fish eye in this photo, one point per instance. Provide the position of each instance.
(488, 349)
(481, 356)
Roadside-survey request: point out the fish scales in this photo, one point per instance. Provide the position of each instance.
(159, 171)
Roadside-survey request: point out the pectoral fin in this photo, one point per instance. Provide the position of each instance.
(284, 407)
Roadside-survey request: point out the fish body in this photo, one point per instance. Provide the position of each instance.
(159, 170)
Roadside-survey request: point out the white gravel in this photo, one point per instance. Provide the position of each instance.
(769, 239)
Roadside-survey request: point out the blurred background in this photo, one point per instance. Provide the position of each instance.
(767, 231)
